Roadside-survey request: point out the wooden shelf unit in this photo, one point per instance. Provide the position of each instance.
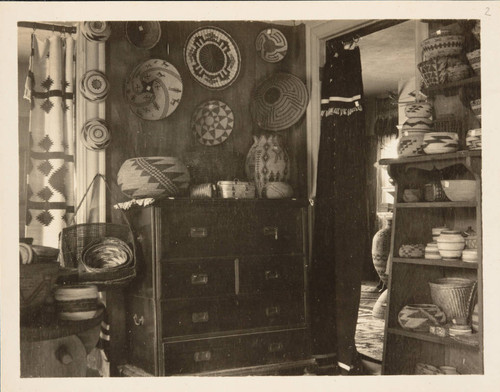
(409, 277)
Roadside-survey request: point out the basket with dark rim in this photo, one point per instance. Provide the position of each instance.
(77, 239)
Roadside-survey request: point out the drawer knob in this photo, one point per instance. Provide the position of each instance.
(199, 279)
(198, 232)
(275, 347)
(271, 275)
(202, 356)
(138, 320)
(272, 311)
(201, 317)
(270, 231)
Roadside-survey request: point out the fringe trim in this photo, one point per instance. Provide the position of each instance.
(341, 111)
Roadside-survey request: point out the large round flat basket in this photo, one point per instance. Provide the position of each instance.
(212, 57)
(153, 89)
(279, 102)
(212, 122)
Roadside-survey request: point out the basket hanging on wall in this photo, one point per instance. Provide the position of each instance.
(103, 254)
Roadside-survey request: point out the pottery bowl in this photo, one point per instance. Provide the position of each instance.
(469, 255)
(459, 190)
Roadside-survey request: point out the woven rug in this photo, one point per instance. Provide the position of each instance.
(369, 330)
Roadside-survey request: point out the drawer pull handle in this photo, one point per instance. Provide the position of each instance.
(272, 275)
(199, 279)
(138, 320)
(272, 311)
(275, 347)
(202, 356)
(198, 232)
(271, 231)
(201, 317)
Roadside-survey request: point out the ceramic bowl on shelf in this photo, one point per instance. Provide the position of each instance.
(469, 255)
(432, 251)
(459, 190)
(440, 142)
(450, 244)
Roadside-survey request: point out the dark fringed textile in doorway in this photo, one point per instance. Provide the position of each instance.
(340, 241)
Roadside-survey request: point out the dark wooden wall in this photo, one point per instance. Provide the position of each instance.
(172, 136)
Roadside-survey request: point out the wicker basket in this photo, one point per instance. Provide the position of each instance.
(76, 239)
(455, 297)
(433, 71)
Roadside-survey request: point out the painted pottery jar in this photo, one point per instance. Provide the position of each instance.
(421, 109)
(153, 177)
(381, 246)
(419, 317)
(267, 161)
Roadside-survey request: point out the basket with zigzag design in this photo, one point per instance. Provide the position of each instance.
(442, 45)
(434, 71)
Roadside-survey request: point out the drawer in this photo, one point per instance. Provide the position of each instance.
(188, 279)
(198, 316)
(232, 352)
(198, 231)
(261, 311)
(265, 274)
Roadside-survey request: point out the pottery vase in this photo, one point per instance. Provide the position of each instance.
(381, 246)
(267, 161)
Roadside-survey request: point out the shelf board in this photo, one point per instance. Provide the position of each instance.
(437, 263)
(437, 204)
(451, 156)
(474, 80)
(428, 337)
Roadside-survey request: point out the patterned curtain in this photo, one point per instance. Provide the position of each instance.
(49, 87)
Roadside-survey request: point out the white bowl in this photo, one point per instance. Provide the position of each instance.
(450, 254)
(459, 190)
(451, 246)
(469, 255)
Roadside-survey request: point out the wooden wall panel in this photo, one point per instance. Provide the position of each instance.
(172, 136)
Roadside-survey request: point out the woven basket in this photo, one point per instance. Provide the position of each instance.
(433, 71)
(454, 296)
(77, 239)
(236, 189)
(442, 45)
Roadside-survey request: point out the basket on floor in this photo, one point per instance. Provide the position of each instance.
(454, 296)
(82, 244)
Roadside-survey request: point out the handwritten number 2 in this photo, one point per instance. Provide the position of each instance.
(487, 13)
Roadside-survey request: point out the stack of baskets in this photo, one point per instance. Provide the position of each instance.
(443, 59)
(102, 254)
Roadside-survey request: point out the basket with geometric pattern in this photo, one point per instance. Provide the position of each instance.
(79, 239)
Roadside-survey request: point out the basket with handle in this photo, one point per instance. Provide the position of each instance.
(455, 297)
(78, 238)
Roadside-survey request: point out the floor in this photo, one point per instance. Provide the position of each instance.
(370, 330)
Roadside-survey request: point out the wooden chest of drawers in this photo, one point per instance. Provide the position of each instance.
(221, 284)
